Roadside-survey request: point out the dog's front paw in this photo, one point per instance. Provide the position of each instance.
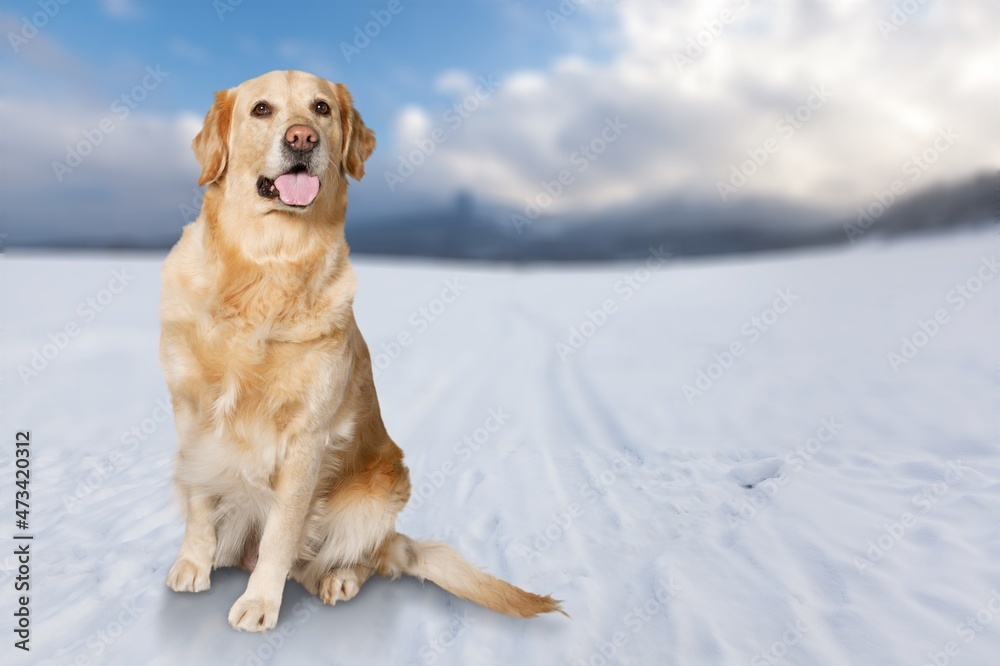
(186, 576)
(253, 614)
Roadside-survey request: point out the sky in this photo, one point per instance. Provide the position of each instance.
(548, 107)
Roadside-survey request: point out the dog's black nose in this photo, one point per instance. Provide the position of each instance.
(301, 138)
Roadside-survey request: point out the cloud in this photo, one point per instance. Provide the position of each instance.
(127, 182)
(689, 106)
(34, 48)
(454, 81)
(120, 8)
(844, 101)
(136, 182)
(188, 51)
(412, 124)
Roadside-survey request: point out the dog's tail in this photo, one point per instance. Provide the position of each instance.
(442, 564)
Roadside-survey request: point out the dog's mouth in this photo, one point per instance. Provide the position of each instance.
(296, 187)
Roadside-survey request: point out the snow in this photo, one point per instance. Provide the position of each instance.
(813, 506)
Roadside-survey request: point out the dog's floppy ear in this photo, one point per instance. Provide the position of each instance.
(211, 146)
(359, 141)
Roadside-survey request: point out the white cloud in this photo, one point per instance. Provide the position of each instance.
(688, 123)
(454, 81)
(412, 124)
(685, 127)
(119, 8)
(128, 182)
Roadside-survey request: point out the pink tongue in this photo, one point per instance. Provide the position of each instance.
(297, 189)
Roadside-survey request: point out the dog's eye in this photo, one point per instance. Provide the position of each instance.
(261, 109)
(322, 108)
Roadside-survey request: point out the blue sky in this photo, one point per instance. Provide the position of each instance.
(205, 48)
(817, 103)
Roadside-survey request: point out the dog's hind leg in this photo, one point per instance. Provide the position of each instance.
(343, 584)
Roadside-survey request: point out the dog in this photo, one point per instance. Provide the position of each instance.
(284, 465)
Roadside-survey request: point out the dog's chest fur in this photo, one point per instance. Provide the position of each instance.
(255, 355)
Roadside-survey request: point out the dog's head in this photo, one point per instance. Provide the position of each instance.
(283, 137)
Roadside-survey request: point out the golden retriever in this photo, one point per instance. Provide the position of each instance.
(284, 465)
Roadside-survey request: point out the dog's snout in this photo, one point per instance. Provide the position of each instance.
(301, 137)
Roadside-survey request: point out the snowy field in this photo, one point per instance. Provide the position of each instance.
(806, 499)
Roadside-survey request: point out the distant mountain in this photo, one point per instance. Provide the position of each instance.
(474, 231)
(974, 200)
(683, 228)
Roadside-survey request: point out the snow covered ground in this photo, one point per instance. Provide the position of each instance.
(807, 500)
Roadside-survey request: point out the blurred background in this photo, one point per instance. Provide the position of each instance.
(573, 130)
(592, 428)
